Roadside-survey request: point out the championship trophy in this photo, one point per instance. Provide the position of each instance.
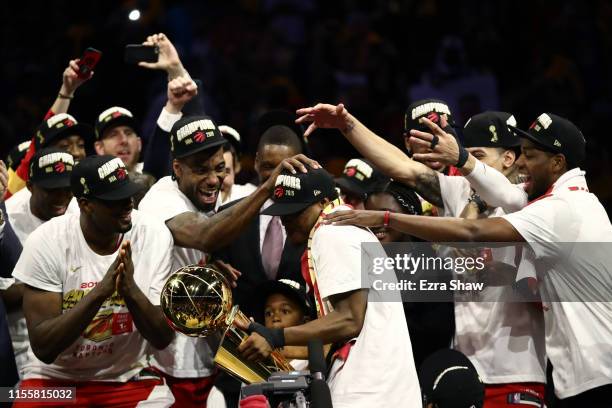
(197, 301)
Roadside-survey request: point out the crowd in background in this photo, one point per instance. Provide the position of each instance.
(376, 56)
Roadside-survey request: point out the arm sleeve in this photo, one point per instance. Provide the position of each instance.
(196, 105)
(496, 190)
(38, 264)
(337, 257)
(157, 157)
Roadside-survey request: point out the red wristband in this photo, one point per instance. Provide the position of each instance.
(386, 219)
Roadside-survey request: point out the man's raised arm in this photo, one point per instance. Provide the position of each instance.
(387, 158)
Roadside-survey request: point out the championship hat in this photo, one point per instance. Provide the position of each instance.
(192, 134)
(555, 134)
(360, 177)
(103, 177)
(60, 126)
(449, 380)
(490, 129)
(51, 168)
(294, 192)
(115, 116)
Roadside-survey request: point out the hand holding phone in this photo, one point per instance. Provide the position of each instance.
(135, 53)
(88, 62)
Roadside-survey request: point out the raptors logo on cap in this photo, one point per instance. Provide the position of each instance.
(350, 171)
(59, 167)
(279, 192)
(434, 117)
(199, 137)
(121, 173)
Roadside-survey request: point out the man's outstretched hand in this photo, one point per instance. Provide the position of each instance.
(324, 116)
(168, 59)
(71, 80)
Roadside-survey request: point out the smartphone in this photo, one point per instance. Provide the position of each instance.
(135, 53)
(88, 62)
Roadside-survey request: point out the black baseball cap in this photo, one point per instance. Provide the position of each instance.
(360, 177)
(51, 168)
(555, 134)
(60, 126)
(103, 177)
(289, 288)
(431, 109)
(192, 134)
(294, 192)
(490, 129)
(449, 380)
(115, 116)
(17, 154)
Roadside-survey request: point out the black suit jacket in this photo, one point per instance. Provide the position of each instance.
(244, 254)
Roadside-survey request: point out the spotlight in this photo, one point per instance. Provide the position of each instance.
(134, 15)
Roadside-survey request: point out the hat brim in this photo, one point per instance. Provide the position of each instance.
(80, 129)
(204, 146)
(54, 182)
(127, 190)
(119, 121)
(349, 186)
(279, 209)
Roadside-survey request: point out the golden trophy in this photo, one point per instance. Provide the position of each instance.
(197, 301)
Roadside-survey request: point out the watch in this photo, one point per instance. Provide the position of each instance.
(475, 198)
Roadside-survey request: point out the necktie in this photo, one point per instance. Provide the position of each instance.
(272, 248)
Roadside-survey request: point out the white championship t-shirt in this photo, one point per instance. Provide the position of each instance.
(24, 223)
(56, 258)
(379, 371)
(578, 332)
(185, 357)
(504, 340)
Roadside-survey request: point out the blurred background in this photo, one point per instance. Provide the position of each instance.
(375, 56)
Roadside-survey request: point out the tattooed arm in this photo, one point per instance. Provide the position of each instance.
(386, 157)
(192, 230)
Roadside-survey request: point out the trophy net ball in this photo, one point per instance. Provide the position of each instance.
(196, 300)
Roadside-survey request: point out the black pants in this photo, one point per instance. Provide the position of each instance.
(600, 397)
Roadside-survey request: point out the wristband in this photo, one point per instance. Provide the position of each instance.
(386, 219)
(274, 337)
(62, 96)
(463, 156)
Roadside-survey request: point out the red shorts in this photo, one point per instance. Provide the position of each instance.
(514, 395)
(102, 394)
(189, 392)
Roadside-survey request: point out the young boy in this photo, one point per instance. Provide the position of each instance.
(285, 304)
